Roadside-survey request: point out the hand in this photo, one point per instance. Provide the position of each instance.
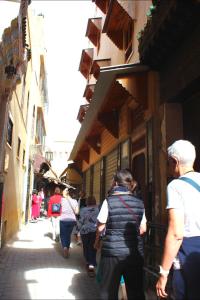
(160, 286)
(97, 244)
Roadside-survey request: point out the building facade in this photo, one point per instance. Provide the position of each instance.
(142, 94)
(23, 102)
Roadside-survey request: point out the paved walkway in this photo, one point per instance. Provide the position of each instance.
(32, 267)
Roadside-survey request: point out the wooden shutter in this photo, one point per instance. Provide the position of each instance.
(111, 168)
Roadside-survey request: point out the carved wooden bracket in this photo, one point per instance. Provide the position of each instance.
(110, 120)
(85, 155)
(95, 142)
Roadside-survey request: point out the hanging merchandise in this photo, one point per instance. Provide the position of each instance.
(15, 38)
(22, 23)
(15, 41)
(7, 46)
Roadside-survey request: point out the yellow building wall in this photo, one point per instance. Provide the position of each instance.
(21, 111)
(14, 172)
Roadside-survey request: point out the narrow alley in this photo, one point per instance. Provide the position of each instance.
(32, 267)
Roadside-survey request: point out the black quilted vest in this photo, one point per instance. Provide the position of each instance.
(122, 228)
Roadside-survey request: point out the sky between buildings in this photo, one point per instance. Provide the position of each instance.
(65, 28)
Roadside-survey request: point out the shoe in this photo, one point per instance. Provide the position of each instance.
(57, 239)
(65, 252)
(91, 271)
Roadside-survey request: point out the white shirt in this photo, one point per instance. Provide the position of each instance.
(184, 197)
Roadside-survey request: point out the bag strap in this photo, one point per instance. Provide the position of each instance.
(71, 206)
(191, 182)
(128, 207)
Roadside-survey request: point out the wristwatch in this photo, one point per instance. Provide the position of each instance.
(163, 272)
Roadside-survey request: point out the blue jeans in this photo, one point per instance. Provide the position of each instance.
(88, 247)
(66, 228)
(186, 280)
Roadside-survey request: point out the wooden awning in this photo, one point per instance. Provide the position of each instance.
(82, 112)
(102, 5)
(112, 89)
(86, 62)
(72, 174)
(117, 20)
(97, 64)
(109, 114)
(89, 91)
(93, 31)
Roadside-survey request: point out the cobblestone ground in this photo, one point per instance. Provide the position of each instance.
(32, 267)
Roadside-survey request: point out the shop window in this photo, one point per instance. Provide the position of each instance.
(9, 131)
(18, 147)
(128, 40)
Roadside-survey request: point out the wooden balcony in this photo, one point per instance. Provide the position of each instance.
(93, 31)
(86, 62)
(97, 64)
(117, 21)
(89, 91)
(102, 5)
(82, 111)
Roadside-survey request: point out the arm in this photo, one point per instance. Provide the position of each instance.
(173, 242)
(143, 224)
(76, 210)
(100, 228)
(80, 221)
(101, 223)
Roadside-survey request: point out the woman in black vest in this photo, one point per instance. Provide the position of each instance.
(122, 246)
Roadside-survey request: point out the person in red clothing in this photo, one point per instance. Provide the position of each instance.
(54, 215)
(35, 208)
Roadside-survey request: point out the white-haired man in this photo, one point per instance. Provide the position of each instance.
(182, 243)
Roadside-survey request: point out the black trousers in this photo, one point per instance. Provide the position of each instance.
(112, 268)
(88, 248)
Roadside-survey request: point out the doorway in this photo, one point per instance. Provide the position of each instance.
(191, 124)
(138, 169)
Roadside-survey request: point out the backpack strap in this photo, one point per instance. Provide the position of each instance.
(191, 182)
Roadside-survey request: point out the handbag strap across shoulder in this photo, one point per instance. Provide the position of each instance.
(191, 182)
(71, 206)
(128, 207)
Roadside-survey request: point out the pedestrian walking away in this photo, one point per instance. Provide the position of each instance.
(54, 211)
(122, 245)
(67, 220)
(182, 243)
(87, 227)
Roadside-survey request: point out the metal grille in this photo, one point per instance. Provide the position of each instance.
(87, 182)
(96, 181)
(111, 167)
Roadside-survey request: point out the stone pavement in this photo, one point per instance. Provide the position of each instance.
(32, 267)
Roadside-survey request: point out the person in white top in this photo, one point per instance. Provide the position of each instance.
(182, 243)
(67, 220)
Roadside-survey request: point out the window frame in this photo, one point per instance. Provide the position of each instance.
(9, 138)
